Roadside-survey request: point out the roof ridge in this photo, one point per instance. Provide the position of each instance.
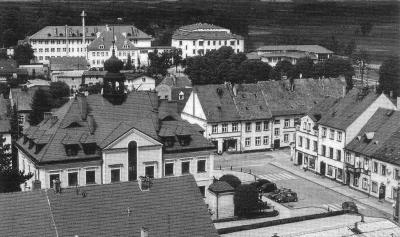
(51, 213)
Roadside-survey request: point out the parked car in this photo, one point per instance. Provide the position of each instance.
(268, 187)
(351, 206)
(261, 182)
(283, 195)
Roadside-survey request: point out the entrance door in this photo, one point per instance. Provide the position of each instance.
(382, 191)
(277, 143)
(299, 158)
(322, 168)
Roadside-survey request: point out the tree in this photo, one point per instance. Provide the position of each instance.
(231, 180)
(361, 59)
(366, 28)
(245, 199)
(284, 68)
(334, 67)
(389, 76)
(305, 67)
(41, 102)
(3, 54)
(23, 54)
(176, 55)
(59, 89)
(14, 124)
(10, 178)
(9, 38)
(128, 65)
(254, 70)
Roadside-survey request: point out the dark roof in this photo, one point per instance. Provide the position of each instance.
(217, 103)
(301, 48)
(348, 109)
(205, 35)
(94, 73)
(220, 187)
(68, 63)
(8, 66)
(201, 26)
(390, 150)
(106, 38)
(376, 133)
(321, 107)
(172, 206)
(175, 97)
(177, 81)
(58, 32)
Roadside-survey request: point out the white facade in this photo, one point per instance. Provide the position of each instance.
(221, 204)
(306, 153)
(284, 130)
(142, 83)
(195, 47)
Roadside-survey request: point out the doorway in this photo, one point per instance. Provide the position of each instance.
(382, 191)
(322, 168)
(299, 158)
(277, 143)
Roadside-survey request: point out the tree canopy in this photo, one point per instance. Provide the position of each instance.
(389, 76)
(246, 199)
(41, 102)
(23, 54)
(231, 180)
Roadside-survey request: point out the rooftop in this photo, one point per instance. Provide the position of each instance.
(23, 97)
(68, 63)
(173, 205)
(201, 26)
(205, 35)
(221, 187)
(302, 48)
(175, 92)
(177, 81)
(104, 42)
(321, 107)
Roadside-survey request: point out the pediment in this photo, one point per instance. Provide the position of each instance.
(133, 135)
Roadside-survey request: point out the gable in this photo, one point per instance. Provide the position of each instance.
(133, 135)
(193, 107)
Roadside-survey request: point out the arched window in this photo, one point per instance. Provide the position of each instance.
(132, 160)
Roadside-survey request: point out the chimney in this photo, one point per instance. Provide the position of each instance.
(234, 89)
(107, 28)
(83, 107)
(36, 185)
(344, 91)
(391, 94)
(47, 115)
(90, 121)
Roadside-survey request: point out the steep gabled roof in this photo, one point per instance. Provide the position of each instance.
(68, 63)
(106, 38)
(376, 133)
(173, 206)
(390, 150)
(177, 81)
(348, 109)
(315, 113)
(175, 92)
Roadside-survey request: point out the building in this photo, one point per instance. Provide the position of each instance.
(255, 116)
(39, 83)
(68, 70)
(10, 72)
(139, 82)
(221, 200)
(5, 125)
(306, 150)
(371, 158)
(180, 96)
(36, 70)
(341, 124)
(200, 38)
(168, 206)
(90, 78)
(272, 54)
(165, 87)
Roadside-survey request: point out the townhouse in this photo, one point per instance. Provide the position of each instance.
(371, 158)
(255, 116)
(341, 124)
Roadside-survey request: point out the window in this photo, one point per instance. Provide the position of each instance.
(383, 170)
(307, 143)
(277, 121)
(73, 179)
(169, 169)
(375, 168)
(323, 150)
(347, 157)
(287, 123)
(365, 183)
(214, 128)
(181, 94)
(202, 191)
(305, 126)
(330, 170)
(396, 174)
(331, 134)
(201, 43)
(247, 141)
(90, 176)
(315, 146)
(232, 43)
(234, 127)
(323, 132)
(194, 51)
(52, 178)
(258, 126)
(300, 141)
(225, 127)
(265, 140)
(339, 174)
(208, 42)
(214, 42)
(201, 166)
(339, 155)
(286, 138)
(149, 171)
(226, 42)
(331, 152)
(339, 136)
(276, 132)
(355, 181)
(115, 175)
(180, 42)
(266, 125)
(186, 167)
(374, 187)
(258, 141)
(248, 127)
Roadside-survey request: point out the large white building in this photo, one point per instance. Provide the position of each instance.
(200, 38)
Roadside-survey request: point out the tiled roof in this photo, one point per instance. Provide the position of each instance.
(168, 110)
(94, 73)
(302, 48)
(348, 109)
(296, 55)
(201, 26)
(59, 32)
(205, 35)
(68, 63)
(106, 38)
(37, 82)
(307, 92)
(321, 107)
(220, 187)
(175, 97)
(173, 206)
(377, 134)
(177, 81)
(390, 150)
(217, 103)
(253, 56)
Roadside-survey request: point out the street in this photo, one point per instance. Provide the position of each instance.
(311, 195)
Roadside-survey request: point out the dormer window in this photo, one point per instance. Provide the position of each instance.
(89, 148)
(184, 140)
(169, 141)
(125, 46)
(31, 143)
(72, 150)
(181, 95)
(39, 147)
(101, 46)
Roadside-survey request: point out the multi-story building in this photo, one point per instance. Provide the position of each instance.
(200, 38)
(255, 116)
(371, 158)
(341, 124)
(306, 150)
(139, 82)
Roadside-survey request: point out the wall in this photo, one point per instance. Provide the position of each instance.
(290, 130)
(143, 83)
(253, 134)
(306, 131)
(225, 205)
(163, 92)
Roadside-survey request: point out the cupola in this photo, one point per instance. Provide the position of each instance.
(113, 82)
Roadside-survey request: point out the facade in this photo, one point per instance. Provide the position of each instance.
(36, 70)
(139, 82)
(90, 78)
(272, 54)
(164, 89)
(341, 124)
(68, 70)
(255, 116)
(200, 38)
(221, 200)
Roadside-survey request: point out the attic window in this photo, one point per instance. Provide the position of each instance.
(89, 148)
(73, 125)
(101, 46)
(92, 34)
(369, 135)
(61, 34)
(72, 150)
(125, 46)
(31, 143)
(169, 141)
(73, 34)
(184, 140)
(181, 95)
(129, 34)
(39, 147)
(48, 34)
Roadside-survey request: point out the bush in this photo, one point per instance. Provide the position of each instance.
(231, 180)
(246, 200)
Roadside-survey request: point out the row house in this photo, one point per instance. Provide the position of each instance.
(371, 158)
(92, 141)
(201, 38)
(256, 116)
